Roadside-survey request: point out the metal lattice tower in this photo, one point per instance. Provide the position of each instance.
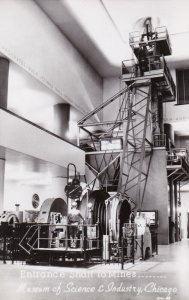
(119, 151)
(137, 147)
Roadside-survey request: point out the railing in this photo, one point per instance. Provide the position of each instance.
(26, 239)
(128, 243)
(154, 64)
(103, 144)
(162, 33)
(136, 37)
(131, 69)
(159, 140)
(36, 125)
(137, 242)
(61, 237)
(176, 155)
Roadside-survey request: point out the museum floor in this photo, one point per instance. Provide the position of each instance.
(164, 276)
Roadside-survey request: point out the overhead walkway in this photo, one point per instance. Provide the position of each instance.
(178, 164)
(21, 135)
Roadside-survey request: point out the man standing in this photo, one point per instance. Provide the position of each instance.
(74, 220)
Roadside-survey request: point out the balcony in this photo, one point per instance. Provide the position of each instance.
(178, 164)
(23, 136)
(159, 37)
(154, 68)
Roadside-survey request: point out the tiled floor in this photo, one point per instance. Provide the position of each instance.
(165, 276)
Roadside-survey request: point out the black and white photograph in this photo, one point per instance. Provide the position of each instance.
(94, 149)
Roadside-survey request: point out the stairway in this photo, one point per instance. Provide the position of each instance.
(29, 240)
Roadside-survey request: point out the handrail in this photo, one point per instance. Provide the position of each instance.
(24, 237)
(66, 239)
(104, 104)
(159, 140)
(80, 238)
(28, 243)
(36, 125)
(158, 33)
(178, 153)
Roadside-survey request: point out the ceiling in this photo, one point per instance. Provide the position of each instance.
(99, 29)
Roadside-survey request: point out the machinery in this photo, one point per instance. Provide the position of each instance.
(48, 237)
(12, 217)
(118, 153)
(119, 149)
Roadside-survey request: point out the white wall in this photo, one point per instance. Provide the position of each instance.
(32, 100)
(23, 137)
(21, 191)
(184, 209)
(175, 113)
(17, 193)
(2, 183)
(29, 98)
(111, 86)
(30, 39)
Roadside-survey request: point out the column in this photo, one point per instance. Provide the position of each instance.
(61, 119)
(176, 212)
(172, 212)
(160, 113)
(4, 71)
(2, 174)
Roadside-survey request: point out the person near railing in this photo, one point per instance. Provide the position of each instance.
(75, 219)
